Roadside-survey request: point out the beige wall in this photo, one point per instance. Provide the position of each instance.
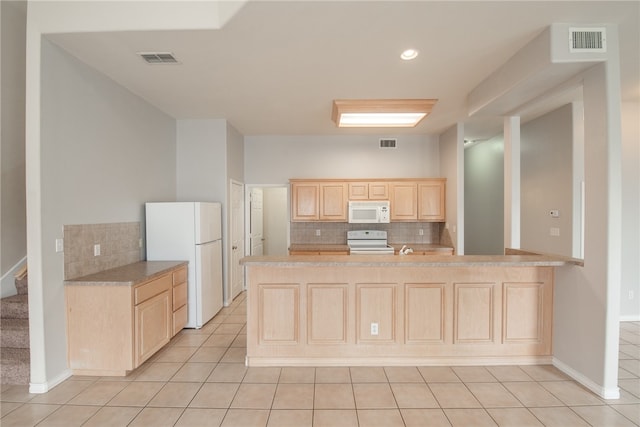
(104, 153)
(484, 197)
(13, 216)
(630, 307)
(546, 182)
(452, 168)
(276, 159)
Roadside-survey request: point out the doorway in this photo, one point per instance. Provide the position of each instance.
(268, 226)
(236, 276)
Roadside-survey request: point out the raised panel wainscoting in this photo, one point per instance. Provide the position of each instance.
(405, 315)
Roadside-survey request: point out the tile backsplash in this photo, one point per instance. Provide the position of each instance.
(335, 233)
(119, 245)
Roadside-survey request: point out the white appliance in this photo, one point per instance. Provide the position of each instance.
(368, 242)
(369, 212)
(190, 231)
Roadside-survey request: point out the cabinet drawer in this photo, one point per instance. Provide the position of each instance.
(179, 296)
(179, 276)
(179, 319)
(151, 289)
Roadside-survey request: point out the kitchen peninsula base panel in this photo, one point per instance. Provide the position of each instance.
(341, 315)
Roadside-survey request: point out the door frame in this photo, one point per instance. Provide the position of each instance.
(247, 211)
(228, 295)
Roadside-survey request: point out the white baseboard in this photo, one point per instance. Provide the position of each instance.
(605, 393)
(39, 388)
(630, 318)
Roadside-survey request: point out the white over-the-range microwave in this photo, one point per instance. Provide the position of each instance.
(367, 212)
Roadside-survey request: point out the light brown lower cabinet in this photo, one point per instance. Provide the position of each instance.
(180, 312)
(113, 329)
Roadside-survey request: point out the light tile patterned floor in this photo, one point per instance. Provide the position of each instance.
(200, 379)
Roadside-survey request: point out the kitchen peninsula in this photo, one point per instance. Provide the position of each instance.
(399, 310)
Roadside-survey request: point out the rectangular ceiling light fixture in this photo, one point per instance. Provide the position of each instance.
(380, 112)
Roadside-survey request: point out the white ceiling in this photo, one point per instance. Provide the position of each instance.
(275, 67)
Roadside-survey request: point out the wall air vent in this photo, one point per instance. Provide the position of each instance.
(388, 142)
(158, 57)
(587, 40)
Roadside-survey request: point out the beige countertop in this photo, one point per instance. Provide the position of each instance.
(408, 260)
(127, 275)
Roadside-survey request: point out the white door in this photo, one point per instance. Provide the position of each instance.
(237, 238)
(257, 219)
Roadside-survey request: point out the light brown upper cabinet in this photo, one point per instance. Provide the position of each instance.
(431, 202)
(360, 190)
(404, 201)
(411, 199)
(319, 201)
(420, 200)
(333, 201)
(305, 197)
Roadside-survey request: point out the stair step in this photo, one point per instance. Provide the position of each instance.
(14, 307)
(14, 364)
(14, 333)
(22, 285)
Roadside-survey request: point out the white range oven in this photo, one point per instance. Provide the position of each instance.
(368, 242)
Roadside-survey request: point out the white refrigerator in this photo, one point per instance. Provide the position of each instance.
(190, 231)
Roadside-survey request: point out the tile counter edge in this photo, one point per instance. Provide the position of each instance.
(127, 275)
(409, 261)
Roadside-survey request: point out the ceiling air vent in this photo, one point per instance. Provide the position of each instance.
(158, 57)
(587, 40)
(388, 143)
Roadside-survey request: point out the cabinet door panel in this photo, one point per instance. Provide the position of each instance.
(153, 325)
(523, 312)
(474, 311)
(358, 191)
(304, 201)
(378, 191)
(431, 202)
(278, 307)
(327, 313)
(333, 202)
(376, 304)
(425, 313)
(404, 202)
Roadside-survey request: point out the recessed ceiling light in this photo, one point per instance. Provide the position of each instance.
(380, 112)
(409, 54)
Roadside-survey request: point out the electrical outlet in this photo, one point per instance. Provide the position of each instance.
(374, 329)
(421, 232)
(318, 233)
(59, 245)
(96, 249)
(554, 231)
(139, 243)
